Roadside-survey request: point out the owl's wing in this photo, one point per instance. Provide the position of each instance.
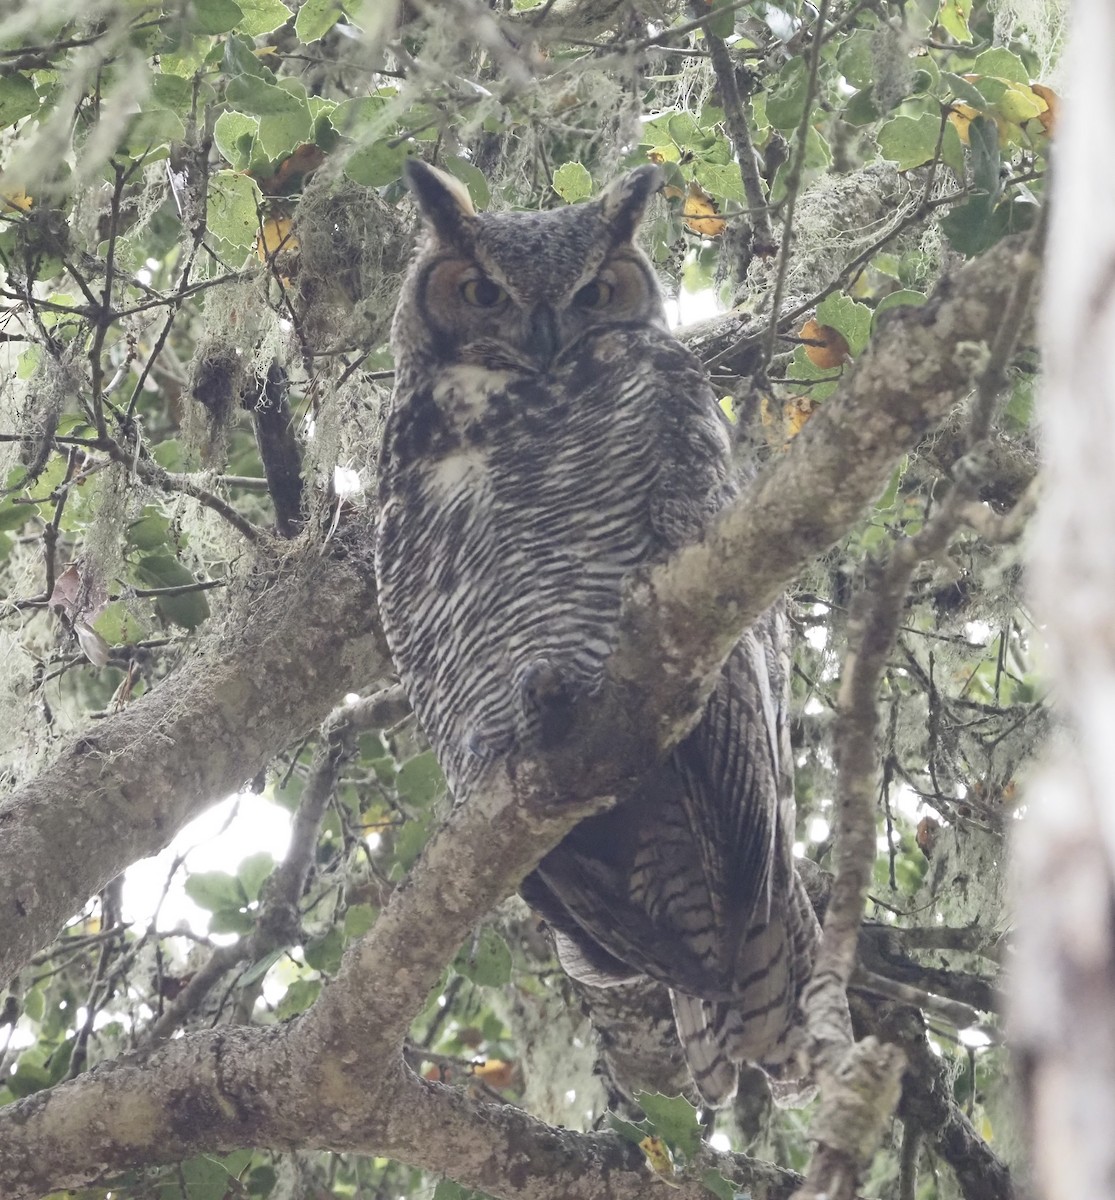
(584, 889)
(740, 799)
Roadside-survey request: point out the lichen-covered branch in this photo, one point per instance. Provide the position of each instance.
(304, 631)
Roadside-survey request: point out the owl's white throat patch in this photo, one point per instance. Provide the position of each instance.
(458, 471)
(463, 391)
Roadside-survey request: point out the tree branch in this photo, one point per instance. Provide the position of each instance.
(302, 631)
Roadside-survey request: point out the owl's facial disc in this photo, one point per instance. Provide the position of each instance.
(519, 289)
(527, 318)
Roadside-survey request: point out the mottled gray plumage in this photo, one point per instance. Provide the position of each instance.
(547, 436)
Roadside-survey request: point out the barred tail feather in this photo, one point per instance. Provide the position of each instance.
(760, 1024)
(712, 1067)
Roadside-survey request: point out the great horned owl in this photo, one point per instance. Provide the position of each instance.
(547, 436)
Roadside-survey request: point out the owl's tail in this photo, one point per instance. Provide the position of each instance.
(761, 1024)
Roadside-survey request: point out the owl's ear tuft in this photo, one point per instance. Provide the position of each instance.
(624, 201)
(443, 199)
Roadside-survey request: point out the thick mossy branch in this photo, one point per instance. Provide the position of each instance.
(304, 631)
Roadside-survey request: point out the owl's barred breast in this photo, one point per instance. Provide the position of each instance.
(514, 504)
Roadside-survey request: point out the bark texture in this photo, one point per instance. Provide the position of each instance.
(303, 631)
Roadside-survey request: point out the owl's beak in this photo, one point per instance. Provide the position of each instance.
(543, 336)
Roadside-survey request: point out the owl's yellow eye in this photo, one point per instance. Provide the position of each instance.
(483, 293)
(594, 295)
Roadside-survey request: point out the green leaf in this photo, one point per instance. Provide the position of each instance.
(324, 953)
(420, 780)
(15, 516)
(251, 94)
(983, 143)
(235, 134)
(240, 59)
(786, 99)
(964, 91)
(377, 165)
(856, 58)
(487, 962)
(718, 1185)
(626, 1130)
(315, 19)
(885, 503)
(1020, 408)
(969, 227)
(1000, 62)
(34, 1004)
(674, 1120)
(204, 1178)
(412, 837)
(722, 20)
(909, 141)
(150, 531)
(151, 129)
(28, 1079)
(213, 890)
(362, 119)
(861, 108)
(169, 454)
(572, 182)
(297, 998)
(213, 16)
(232, 920)
(258, 969)
(446, 1189)
(18, 99)
(118, 626)
(282, 133)
(721, 180)
(188, 609)
(472, 177)
(953, 17)
(234, 201)
(849, 318)
(359, 919)
(906, 297)
(172, 91)
(953, 153)
(262, 16)
(253, 871)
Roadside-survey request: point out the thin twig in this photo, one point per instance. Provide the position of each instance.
(793, 180)
(735, 118)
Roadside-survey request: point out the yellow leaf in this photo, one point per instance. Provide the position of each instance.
(16, 197)
(699, 212)
(276, 237)
(660, 1159)
(1048, 118)
(960, 117)
(825, 347)
(796, 412)
(495, 1072)
(781, 427)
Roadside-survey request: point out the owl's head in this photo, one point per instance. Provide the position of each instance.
(516, 289)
